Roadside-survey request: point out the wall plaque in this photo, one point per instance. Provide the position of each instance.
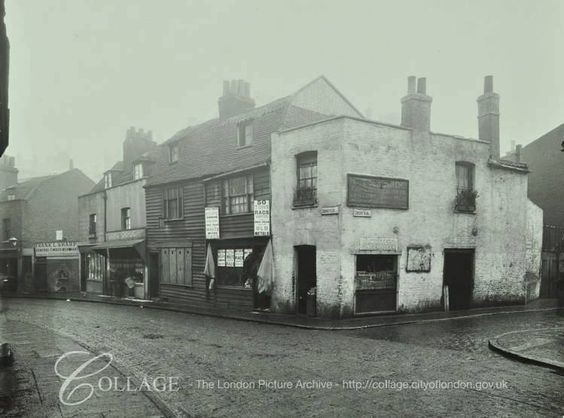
(418, 259)
(377, 192)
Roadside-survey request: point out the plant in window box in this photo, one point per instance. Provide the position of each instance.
(466, 200)
(305, 196)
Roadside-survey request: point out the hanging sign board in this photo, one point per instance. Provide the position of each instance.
(212, 222)
(262, 218)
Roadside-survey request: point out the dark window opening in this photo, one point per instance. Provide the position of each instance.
(126, 218)
(92, 225)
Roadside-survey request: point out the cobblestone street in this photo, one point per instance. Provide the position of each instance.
(344, 371)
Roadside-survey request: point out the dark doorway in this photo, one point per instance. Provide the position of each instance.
(458, 274)
(153, 275)
(306, 275)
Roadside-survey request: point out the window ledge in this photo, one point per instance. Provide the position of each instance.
(172, 220)
(235, 214)
(244, 146)
(467, 212)
(312, 206)
(232, 287)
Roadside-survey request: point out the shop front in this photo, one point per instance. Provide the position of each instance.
(124, 263)
(10, 266)
(56, 267)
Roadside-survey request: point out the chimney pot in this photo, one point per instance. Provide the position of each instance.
(422, 85)
(488, 84)
(411, 80)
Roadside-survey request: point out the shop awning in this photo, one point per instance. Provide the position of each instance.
(137, 244)
(85, 247)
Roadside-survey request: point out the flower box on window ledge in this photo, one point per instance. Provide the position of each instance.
(466, 201)
(305, 196)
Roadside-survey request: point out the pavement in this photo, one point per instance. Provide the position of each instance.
(540, 346)
(394, 370)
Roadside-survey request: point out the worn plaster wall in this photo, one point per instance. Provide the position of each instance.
(497, 231)
(87, 205)
(129, 195)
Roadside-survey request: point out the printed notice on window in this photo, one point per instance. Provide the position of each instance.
(239, 258)
(221, 258)
(262, 218)
(229, 258)
(212, 222)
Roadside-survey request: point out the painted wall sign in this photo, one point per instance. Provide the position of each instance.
(379, 244)
(418, 259)
(377, 192)
(262, 218)
(330, 210)
(362, 213)
(212, 222)
(58, 249)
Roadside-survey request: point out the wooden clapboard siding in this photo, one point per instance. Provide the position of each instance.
(190, 230)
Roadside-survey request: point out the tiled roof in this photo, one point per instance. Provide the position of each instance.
(211, 147)
(24, 189)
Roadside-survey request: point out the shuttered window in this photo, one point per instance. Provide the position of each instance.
(176, 266)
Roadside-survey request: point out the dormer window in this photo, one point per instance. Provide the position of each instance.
(245, 133)
(107, 180)
(138, 171)
(173, 151)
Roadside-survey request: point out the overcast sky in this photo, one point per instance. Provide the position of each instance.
(83, 71)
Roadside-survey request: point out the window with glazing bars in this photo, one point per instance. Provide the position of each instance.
(238, 195)
(306, 190)
(172, 203)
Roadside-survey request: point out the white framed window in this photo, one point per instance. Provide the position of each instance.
(138, 171)
(107, 180)
(245, 133)
(173, 152)
(172, 203)
(238, 195)
(126, 218)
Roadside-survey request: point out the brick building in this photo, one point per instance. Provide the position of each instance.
(36, 211)
(206, 183)
(372, 217)
(112, 223)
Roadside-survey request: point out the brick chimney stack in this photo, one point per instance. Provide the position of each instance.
(416, 105)
(236, 99)
(137, 142)
(488, 116)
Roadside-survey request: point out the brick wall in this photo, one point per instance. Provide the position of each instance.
(54, 206)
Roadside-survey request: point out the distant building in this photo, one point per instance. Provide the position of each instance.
(369, 217)
(33, 212)
(4, 70)
(8, 172)
(112, 223)
(546, 163)
(545, 160)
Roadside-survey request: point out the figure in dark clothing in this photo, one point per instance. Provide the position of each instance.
(251, 265)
